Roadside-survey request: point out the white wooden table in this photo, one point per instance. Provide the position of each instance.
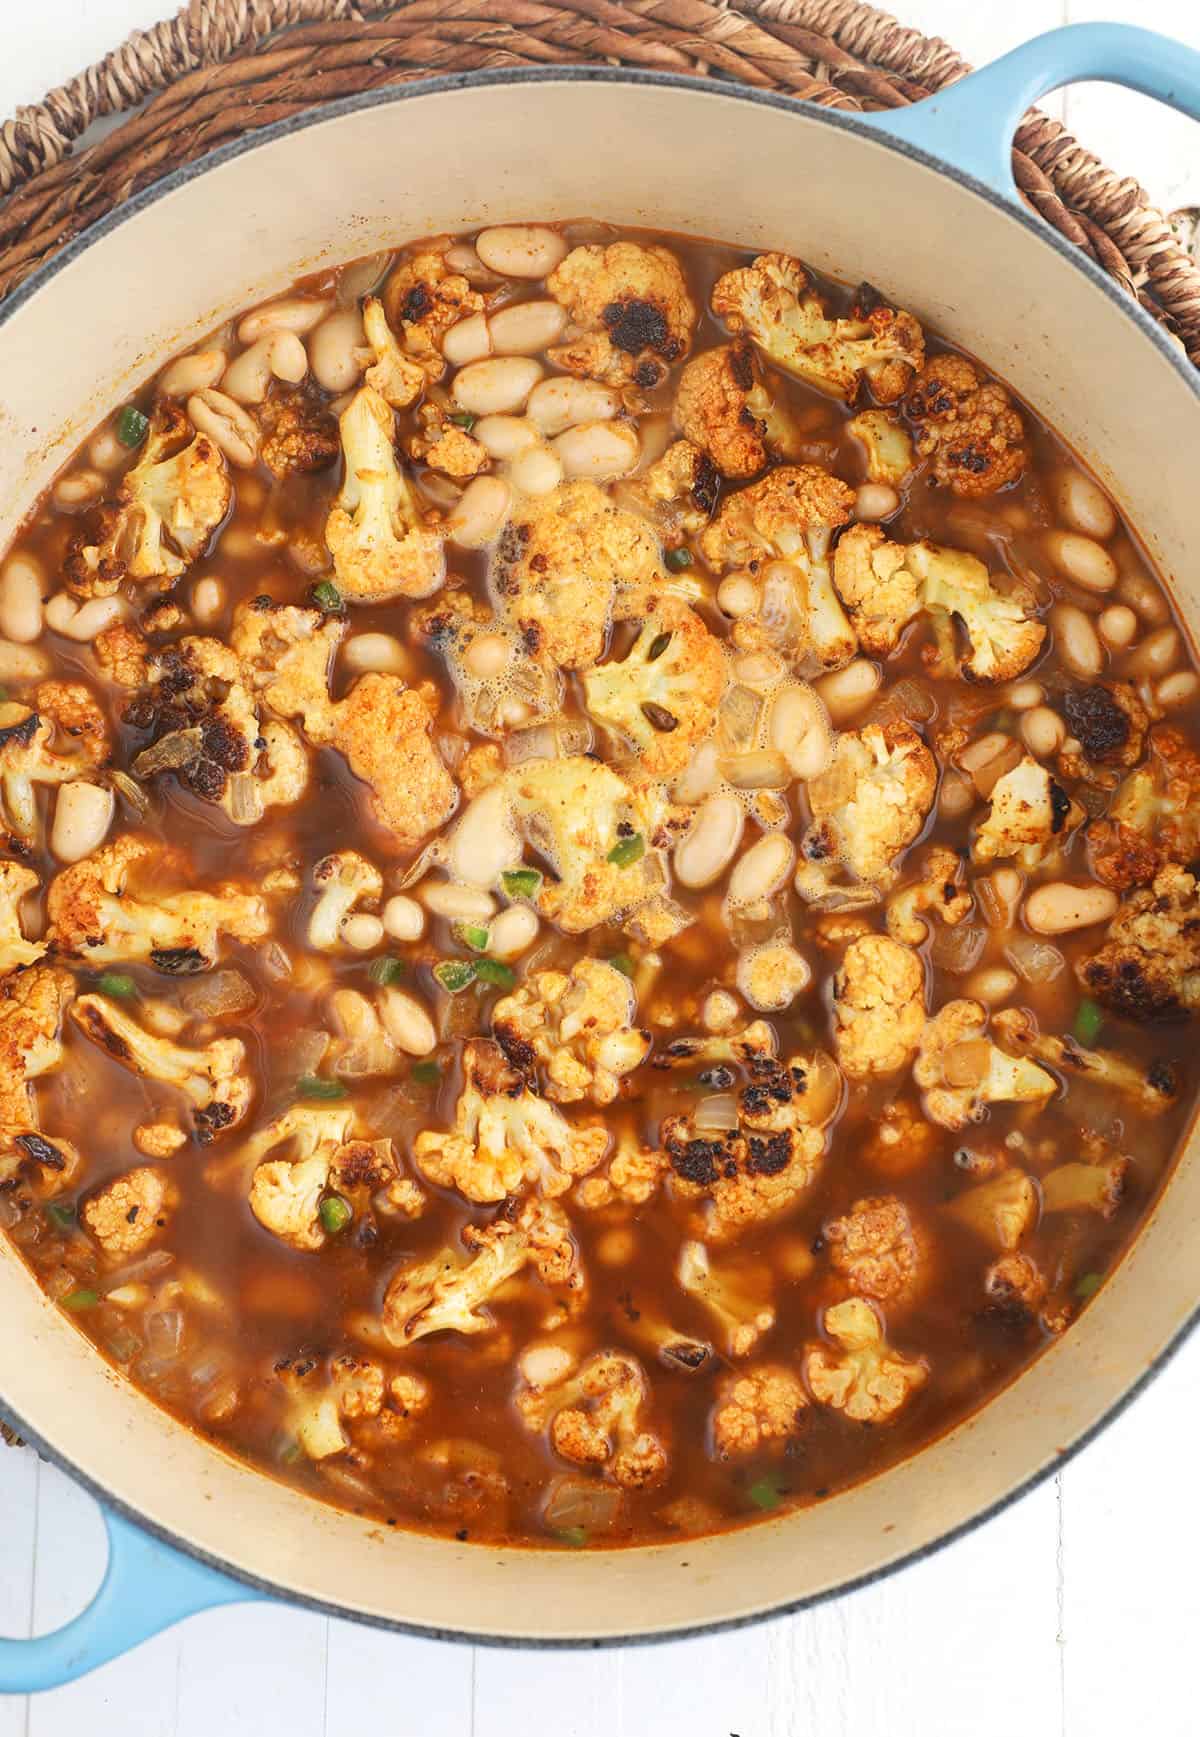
(1074, 1614)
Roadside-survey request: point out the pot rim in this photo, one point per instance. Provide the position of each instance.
(1009, 207)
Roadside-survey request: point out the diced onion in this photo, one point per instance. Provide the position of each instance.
(1037, 961)
(719, 1111)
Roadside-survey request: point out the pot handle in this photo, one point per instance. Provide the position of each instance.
(970, 124)
(147, 1586)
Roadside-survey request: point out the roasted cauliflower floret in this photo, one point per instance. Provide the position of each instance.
(1151, 1088)
(678, 492)
(211, 1079)
(45, 1167)
(1015, 1284)
(632, 308)
(127, 1214)
(311, 1412)
(109, 908)
(1149, 965)
(859, 1374)
(961, 1071)
(422, 299)
(740, 1304)
(1002, 1210)
(567, 564)
(774, 302)
(878, 1007)
(886, 585)
(15, 881)
(299, 434)
(868, 806)
(285, 653)
(875, 1249)
(632, 1175)
(32, 1004)
(601, 836)
(448, 1294)
(1028, 816)
(782, 528)
(395, 376)
(756, 1409)
(967, 427)
(938, 889)
(763, 1166)
(445, 445)
(1107, 723)
(286, 1193)
(381, 546)
(343, 880)
(504, 1137)
(525, 688)
(595, 1418)
(723, 407)
(385, 731)
(579, 1027)
(1154, 818)
(664, 693)
(64, 715)
(743, 1047)
(163, 515)
(121, 652)
(889, 450)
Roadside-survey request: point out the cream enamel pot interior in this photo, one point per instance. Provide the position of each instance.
(674, 154)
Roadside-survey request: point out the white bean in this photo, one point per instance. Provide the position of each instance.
(520, 249)
(1058, 907)
(711, 842)
(1077, 641)
(78, 487)
(737, 596)
(21, 585)
(992, 984)
(1141, 593)
(288, 358)
(208, 600)
(1117, 626)
(488, 655)
(763, 870)
(700, 776)
(505, 436)
(770, 977)
(22, 663)
(499, 385)
(458, 904)
(297, 314)
(468, 341)
(361, 931)
(1043, 732)
(1177, 690)
(106, 451)
(874, 500)
(598, 451)
(83, 813)
(485, 841)
(527, 327)
(463, 259)
(481, 511)
(799, 728)
(1024, 696)
(562, 402)
(403, 918)
(536, 471)
(406, 1022)
(375, 651)
(1156, 654)
(337, 351)
(844, 692)
(513, 931)
(248, 376)
(544, 1365)
(758, 669)
(194, 373)
(230, 427)
(1082, 560)
(83, 621)
(956, 796)
(1084, 506)
(983, 750)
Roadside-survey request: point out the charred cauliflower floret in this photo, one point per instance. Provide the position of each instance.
(396, 377)
(579, 1027)
(967, 427)
(886, 585)
(1108, 725)
(449, 1294)
(868, 806)
(32, 1004)
(504, 1137)
(45, 1167)
(858, 1373)
(286, 1193)
(878, 1007)
(740, 1304)
(110, 908)
(567, 564)
(211, 1079)
(1154, 818)
(874, 1248)
(422, 298)
(285, 653)
(938, 889)
(782, 528)
(526, 688)
(595, 1418)
(889, 450)
(163, 515)
(756, 1409)
(127, 1214)
(299, 434)
(774, 302)
(742, 1047)
(961, 1071)
(760, 1168)
(385, 731)
(600, 835)
(1028, 816)
(1149, 965)
(1015, 1285)
(61, 736)
(632, 309)
(678, 492)
(664, 693)
(381, 546)
(1150, 1088)
(343, 880)
(723, 407)
(15, 881)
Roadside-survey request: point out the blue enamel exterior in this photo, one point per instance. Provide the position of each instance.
(148, 1585)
